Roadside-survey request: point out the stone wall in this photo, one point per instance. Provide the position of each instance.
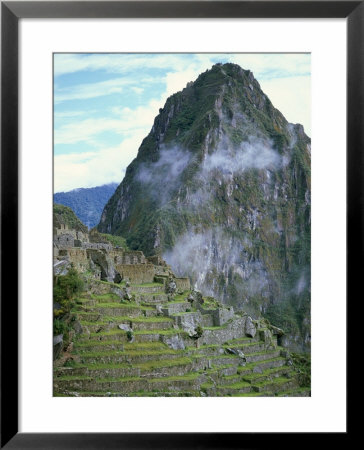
(78, 257)
(233, 330)
(97, 246)
(183, 284)
(157, 260)
(64, 231)
(136, 273)
(64, 240)
(103, 260)
(222, 315)
(122, 257)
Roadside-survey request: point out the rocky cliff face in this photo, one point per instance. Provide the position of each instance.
(221, 188)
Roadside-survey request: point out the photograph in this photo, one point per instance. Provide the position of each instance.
(181, 224)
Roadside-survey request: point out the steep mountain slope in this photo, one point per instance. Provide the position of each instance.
(63, 215)
(221, 188)
(87, 203)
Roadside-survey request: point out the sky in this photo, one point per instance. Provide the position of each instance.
(105, 104)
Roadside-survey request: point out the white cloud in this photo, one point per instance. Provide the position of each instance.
(95, 168)
(99, 89)
(67, 114)
(284, 63)
(126, 122)
(273, 65)
(137, 90)
(176, 81)
(115, 63)
(292, 96)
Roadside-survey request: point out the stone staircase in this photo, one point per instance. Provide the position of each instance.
(138, 348)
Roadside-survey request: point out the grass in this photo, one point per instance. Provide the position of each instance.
(300, 390)
(102, 366)
(108, 296)
(108, 333)
(267, 372)
(163, 363)
(73, 378)
(123, 305)
(118, 380)
(151, 294)
(250, 366)
(275, 381)
(187, 377)
(216, 328)
(238, 385)
(113, 353)
(83, 344)
(106, 319)
(169, 332)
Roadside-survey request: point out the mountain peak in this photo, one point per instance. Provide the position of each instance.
(221, 188)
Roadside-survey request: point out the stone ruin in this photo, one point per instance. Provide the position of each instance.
(145, 332)
(107, 263)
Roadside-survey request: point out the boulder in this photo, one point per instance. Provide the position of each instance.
(175, 342)
(61, 267)
(125, 327)
(57, 346)
(250, 329)
(171, 286)
(277, 331)
(77, 327)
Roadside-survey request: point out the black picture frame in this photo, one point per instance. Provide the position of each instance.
(11, 12)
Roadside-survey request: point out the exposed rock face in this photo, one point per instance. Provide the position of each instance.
(104, 261)
(250, 329)
(221, 188)
(57, 346)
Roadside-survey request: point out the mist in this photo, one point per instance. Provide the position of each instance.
(164, 175)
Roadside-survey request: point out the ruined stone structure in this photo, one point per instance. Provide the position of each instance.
(143, 332)
(106, 262)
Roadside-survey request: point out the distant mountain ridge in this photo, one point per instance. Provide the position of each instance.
(87, 203)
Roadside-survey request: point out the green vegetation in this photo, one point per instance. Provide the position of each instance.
(115, 241)
(302, 364)
(63, 215)
(87, 203)
(65, 288)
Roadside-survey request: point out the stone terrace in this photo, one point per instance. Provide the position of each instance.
(143, 341)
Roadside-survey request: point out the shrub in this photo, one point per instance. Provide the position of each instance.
(302, 364)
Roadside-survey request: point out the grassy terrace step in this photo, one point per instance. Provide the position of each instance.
(120, 309)
(176, 307)
(261, 356)
(138, 323)
(276, 385)
(129, 357)
(240, 387)
(95, 371)
(140, 335)
(260, 366)
(223, 360)
(153, 393)
(84, 345)
(130, 310)
(126, 385)
(148, 288)
(298, 392)
(268, 374)
(152, 299)
(216, 349)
